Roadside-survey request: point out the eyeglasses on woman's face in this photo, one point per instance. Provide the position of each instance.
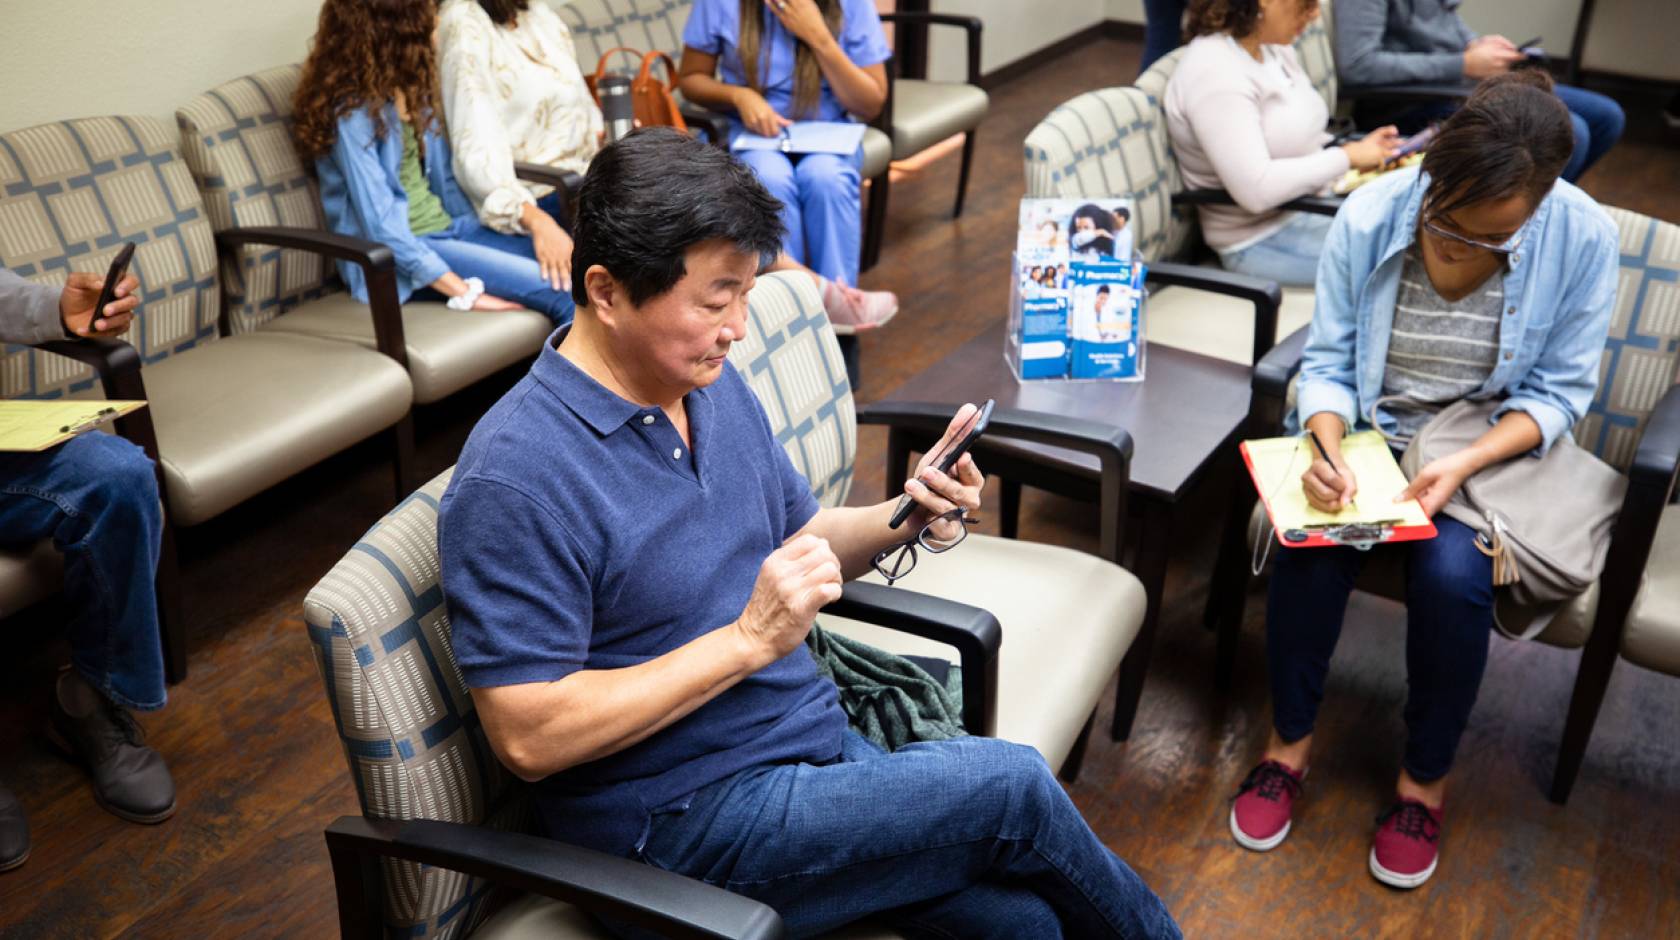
(943, 533)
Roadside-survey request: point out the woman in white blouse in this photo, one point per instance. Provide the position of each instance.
(513, 92)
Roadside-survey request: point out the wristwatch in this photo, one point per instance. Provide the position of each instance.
(475, 290)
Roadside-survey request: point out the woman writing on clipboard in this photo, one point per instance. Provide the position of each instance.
(773, 62)
(1478, 275)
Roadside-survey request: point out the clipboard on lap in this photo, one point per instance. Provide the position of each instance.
(1276, 464)
(29, 426)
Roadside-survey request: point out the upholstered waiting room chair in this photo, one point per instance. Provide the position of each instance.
(233, 414)
(265, 207)
(433, 793)
(1633, 424)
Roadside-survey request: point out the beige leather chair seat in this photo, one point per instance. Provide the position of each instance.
(1216, 325)
(532, 917)
(877, 152)
(28, 574)
(447, 349)
(1051, 602)
(239, 415)
(925, 113)
(1652, 639)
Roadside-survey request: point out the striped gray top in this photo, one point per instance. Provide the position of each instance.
(1438, 350)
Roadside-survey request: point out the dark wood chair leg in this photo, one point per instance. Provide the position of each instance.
(849, 355)
(1076, 757)
(401, 436)
(1154, 540)
(962, 176)
(1009, 518)
(172, 625)
(874, 226)
(1228, 585)
(1598, 660)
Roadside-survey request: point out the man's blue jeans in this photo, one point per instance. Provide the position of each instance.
(507, 264)
(1449, 613)
(1598, 122)
(96, 497)
(969, 838)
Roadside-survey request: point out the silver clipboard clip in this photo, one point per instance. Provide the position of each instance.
(787, 140)
(95, 420)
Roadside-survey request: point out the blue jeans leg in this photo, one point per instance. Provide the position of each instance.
(1163, 29)
(506, 264)
(887, 834)
(1449, 615)
(96, 497)
(775, 171)
(829, 193)
(1598, 122)
(1305, 603)
(1288, 255)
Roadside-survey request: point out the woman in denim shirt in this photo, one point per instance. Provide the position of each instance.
(1479, 276)
(364, 112)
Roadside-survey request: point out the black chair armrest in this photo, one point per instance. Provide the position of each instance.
(974, 632)
(1318, 205)
(118, 365)
(971, 24)
(714, 124)
(1657, 458)
(1422, 91)
(916, 423)
(1272, 375)
(377, 262)
(667, 903)
(565, 182)
(1266, 296)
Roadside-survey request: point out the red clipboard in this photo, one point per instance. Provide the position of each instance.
(1357, 535)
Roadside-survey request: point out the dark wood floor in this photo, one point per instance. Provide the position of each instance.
(251, 740)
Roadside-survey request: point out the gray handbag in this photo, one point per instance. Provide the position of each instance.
(1545, 521)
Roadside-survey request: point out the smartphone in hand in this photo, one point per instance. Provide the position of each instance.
(966, 436)
(113, 276)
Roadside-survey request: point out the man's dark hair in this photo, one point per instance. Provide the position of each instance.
(1512, 136)
(1124, 213)
(504, 12)
(1102, 289)
(656, 193)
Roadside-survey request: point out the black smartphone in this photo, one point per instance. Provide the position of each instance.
(966, 436)
(1525, 44)
(113, 275)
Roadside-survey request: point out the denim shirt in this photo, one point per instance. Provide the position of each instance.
(364, 197)
(1560, 290)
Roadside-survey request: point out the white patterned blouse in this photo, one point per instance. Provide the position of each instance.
(512, 94)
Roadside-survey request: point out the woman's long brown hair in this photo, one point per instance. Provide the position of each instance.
(807, 76)
(364, 54)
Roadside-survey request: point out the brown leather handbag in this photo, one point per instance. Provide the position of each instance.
(653, 100)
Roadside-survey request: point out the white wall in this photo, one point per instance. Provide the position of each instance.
(1014, 30)
(1552, 20)
(78, 58)
(1126, 11)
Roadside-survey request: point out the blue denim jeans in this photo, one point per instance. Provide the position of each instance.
(1449, 613)
(820, 195)
(1163, 30)
(1598, 122)
(969, 838)
(507, 264)
(96, 497)
(1288, 255)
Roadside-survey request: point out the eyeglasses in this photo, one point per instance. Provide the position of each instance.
(945, 532)
(1502, 250)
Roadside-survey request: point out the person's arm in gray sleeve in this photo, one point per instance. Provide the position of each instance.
(1361, 59)
(28, 312)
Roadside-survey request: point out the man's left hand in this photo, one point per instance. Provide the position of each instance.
(1437, 481)
(81, 292)
(803, 20)
(937, 493)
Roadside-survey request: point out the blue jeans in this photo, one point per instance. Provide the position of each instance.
(1449, 613)
(507, 264)
(971, 837)
(820, 207)
(1288, 255)
(1163, 30)
(96, 497)
(1598, 122)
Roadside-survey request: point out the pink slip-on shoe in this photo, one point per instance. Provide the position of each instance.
(1407, 844)
(858, 309)
(1260, 811)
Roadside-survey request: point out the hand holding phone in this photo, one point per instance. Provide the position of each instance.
(945, 460)
(108, 313)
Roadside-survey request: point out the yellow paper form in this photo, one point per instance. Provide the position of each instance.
(37, 425)
(1280, 461)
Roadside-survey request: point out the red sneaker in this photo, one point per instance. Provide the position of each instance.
(1407, 844)
(1260, 811)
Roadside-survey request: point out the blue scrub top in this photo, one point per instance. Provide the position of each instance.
(714, 28)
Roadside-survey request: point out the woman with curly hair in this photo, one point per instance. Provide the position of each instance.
(365, 113)
(1244, 117)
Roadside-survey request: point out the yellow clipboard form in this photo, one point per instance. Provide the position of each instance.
(1276, 464)
(33, 426)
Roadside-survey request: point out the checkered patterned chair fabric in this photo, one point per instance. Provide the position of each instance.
(380, 630)
(237, 140)
(1113, 142)
(1315, 47)
(1643, 352)
(647, 25)
(70, 194)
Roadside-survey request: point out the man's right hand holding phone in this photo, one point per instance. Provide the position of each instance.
(1329, 485)
(81, 294)
(1487, 56)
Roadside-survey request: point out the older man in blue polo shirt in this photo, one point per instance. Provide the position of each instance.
(632, 565)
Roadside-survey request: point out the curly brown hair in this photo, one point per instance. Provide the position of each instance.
(1236, 17)
(364, 54)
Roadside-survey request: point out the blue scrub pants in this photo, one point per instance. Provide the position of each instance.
(820, 195)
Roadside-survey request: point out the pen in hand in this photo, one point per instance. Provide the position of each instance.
(1319, 446)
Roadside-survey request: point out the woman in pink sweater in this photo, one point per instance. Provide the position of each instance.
(1244, 117)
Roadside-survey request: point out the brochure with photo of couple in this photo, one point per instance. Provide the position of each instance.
(1077, 300)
